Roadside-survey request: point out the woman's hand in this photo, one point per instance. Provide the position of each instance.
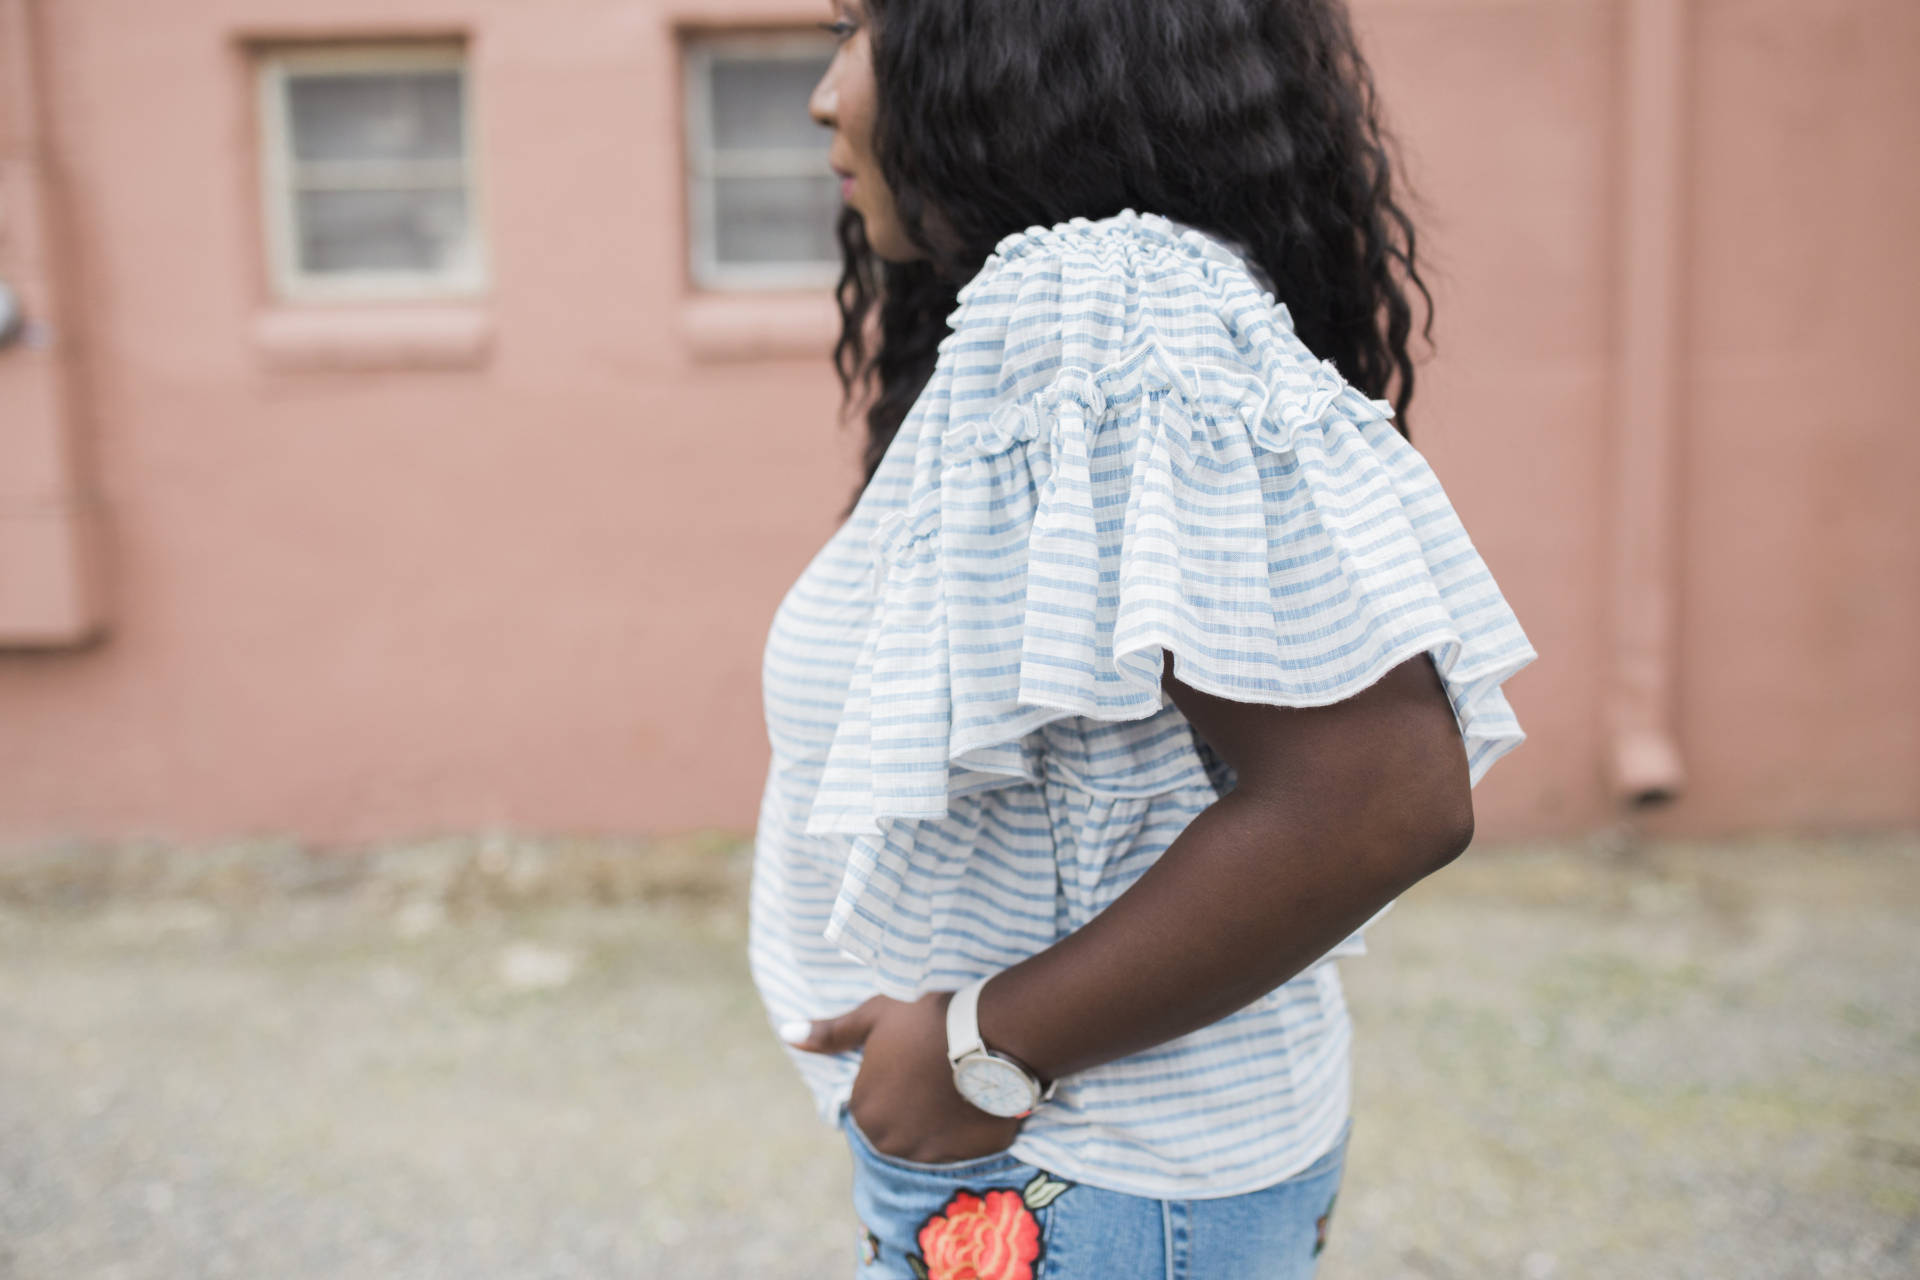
(903, 1098)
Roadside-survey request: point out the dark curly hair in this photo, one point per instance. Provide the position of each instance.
(1252, 119)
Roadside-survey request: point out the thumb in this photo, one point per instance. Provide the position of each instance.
(833, 1035)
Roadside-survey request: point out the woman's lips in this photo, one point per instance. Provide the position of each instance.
(846, 186)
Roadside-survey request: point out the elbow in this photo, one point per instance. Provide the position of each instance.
(1446, 826)
(1433, 808)
(1451, 836)
(1414, 827)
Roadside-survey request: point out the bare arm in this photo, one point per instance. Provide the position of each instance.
(1337, 811)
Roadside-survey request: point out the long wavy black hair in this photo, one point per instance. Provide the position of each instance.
(1251, 119)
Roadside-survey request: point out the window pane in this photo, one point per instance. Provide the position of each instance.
(382, 230)
(762, 102)
(397, 115)
(766, 220)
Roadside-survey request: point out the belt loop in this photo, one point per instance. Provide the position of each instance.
(1176, 1223)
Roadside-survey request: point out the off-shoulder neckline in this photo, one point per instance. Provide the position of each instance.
(1139, 225)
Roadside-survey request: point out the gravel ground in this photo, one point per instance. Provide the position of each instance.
(499, 1060)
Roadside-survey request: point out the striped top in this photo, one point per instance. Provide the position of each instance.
(1124, 449)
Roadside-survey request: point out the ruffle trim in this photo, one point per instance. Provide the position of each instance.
(1010, 597)
(1131, 228)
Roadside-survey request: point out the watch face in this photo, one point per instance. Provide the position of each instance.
(996, 1087)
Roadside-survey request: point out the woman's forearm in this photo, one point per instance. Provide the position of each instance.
(1259, 885)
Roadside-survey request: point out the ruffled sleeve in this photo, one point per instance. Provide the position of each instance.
(1125, 451)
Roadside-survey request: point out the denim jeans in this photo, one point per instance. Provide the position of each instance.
(998, 1218)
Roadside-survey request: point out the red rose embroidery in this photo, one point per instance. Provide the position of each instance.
(995, 1238)
(1320, 1226)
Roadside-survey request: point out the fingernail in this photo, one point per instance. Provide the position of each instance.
(795, 1030)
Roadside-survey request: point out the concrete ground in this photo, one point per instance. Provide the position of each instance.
(492, 1059)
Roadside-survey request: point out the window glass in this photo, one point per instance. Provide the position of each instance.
(763, 202)
(372, 117)
(776, 219)
(762, 102)
(382, 230)
(369, 183)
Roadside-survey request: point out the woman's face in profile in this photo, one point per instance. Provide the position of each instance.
(844, 101)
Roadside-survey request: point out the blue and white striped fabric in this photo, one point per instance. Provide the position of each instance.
(1124, 450)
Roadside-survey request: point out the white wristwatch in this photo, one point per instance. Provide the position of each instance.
(995, 1083)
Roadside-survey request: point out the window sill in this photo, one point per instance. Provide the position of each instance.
(759, 326)
(370, 337)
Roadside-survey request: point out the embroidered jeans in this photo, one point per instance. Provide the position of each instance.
(997, 1218)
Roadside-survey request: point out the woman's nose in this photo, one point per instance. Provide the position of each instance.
(823, 101)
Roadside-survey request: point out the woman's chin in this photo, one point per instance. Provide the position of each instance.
(898, 253)
(886, 241)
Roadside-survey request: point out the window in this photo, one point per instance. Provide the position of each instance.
(761, 201)
(368, 172)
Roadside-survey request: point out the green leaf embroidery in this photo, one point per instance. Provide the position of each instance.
(1043, 1190)
(918, 1264)
(1320, 1226)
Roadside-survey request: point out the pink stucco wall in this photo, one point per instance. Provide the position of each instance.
(512, 562)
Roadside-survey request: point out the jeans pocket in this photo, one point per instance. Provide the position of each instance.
(973, 1166)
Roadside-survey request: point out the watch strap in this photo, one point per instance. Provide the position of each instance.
(963, 1036)
(963, 1021)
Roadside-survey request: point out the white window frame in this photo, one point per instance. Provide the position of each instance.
(275, 68)
(704, 166)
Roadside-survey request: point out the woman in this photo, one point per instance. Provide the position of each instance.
(1151, 661)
